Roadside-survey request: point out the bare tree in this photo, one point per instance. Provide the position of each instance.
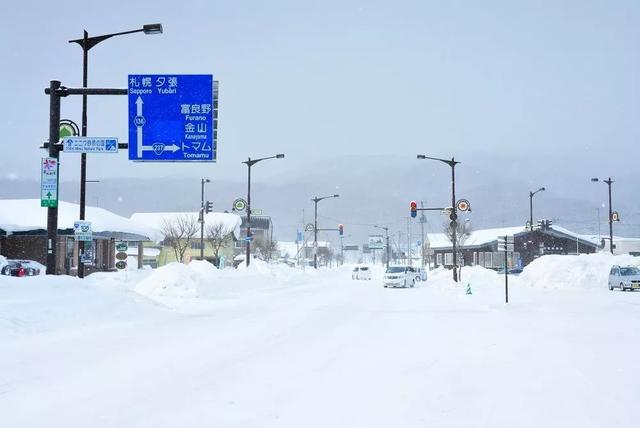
(218, 237)
(463, 230)
(178, 232)
(266, 248)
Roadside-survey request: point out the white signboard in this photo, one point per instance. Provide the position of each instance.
(49, 183)
(90, 145)
(376, 242)
(82, 230)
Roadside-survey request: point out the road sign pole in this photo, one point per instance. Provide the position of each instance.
(83, 156)
(54, 136)
(506, 270)
(248, 252)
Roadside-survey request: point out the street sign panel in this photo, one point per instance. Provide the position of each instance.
(256, 211)
(121, 264)
(88, 255)
(122, 247)
(82, 230)
(172, 118)
(376, 242)
(463, 205)
(90, 145)
(309, 227)
(49, 183)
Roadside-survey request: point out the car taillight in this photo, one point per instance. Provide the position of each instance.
(21, 272)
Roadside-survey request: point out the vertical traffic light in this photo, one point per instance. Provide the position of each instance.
(209, 207)
(341, 229)
(414, 208)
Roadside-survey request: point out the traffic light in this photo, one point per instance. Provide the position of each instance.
(341, 229)
(414, 208)
(209, 207)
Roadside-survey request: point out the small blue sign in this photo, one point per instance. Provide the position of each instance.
(172, 118)
(248, 239)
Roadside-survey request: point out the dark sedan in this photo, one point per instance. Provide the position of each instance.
(19, 268)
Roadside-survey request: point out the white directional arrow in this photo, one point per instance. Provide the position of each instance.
(172, 148)
(139, 103)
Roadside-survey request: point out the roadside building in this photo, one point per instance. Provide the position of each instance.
(221, 231)
(480, 247)
(23, 234)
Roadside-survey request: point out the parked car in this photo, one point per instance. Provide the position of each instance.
(624, 278)
(20, 268)
(401, 276)
(361, 272)
(511, 271)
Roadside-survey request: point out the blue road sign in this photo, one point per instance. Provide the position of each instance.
(172, 118)
(90, 144)
(248, 239)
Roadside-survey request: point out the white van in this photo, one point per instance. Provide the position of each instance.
(361, 272)
(401, 276)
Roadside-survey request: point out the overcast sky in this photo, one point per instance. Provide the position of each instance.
(321, 79)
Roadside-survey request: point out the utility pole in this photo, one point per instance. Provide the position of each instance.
(409, 257)
(250, 162)
(608, 182)
(423, 220)
(202, 212)
(86, 43)
(454, 210)
(315, 226)
(54, 152)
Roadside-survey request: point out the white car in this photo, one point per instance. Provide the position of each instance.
(401, 276)
(624, 278)
(361, 272)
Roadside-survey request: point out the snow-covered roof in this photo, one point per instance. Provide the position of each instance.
(22, 215)
(290, 248)
(154, 221)
(486, 236)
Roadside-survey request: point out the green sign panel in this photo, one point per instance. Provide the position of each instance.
(122, 247)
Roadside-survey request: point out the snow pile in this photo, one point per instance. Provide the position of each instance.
(3, 261)
(178, 280)
(200, 279)
(573, 272)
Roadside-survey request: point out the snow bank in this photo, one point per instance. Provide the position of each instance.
(573, 272)
(202, 279)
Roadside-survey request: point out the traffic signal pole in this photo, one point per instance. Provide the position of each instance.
(54, 152)
(55, 92)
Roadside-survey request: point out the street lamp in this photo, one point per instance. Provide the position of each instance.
(86, 43)
(608, 181)
(250, 162)
(386, 231)
(542, 189)
(315, 227)
(454, 210)
(202, 212)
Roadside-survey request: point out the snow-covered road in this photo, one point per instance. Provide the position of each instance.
(318, 350)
